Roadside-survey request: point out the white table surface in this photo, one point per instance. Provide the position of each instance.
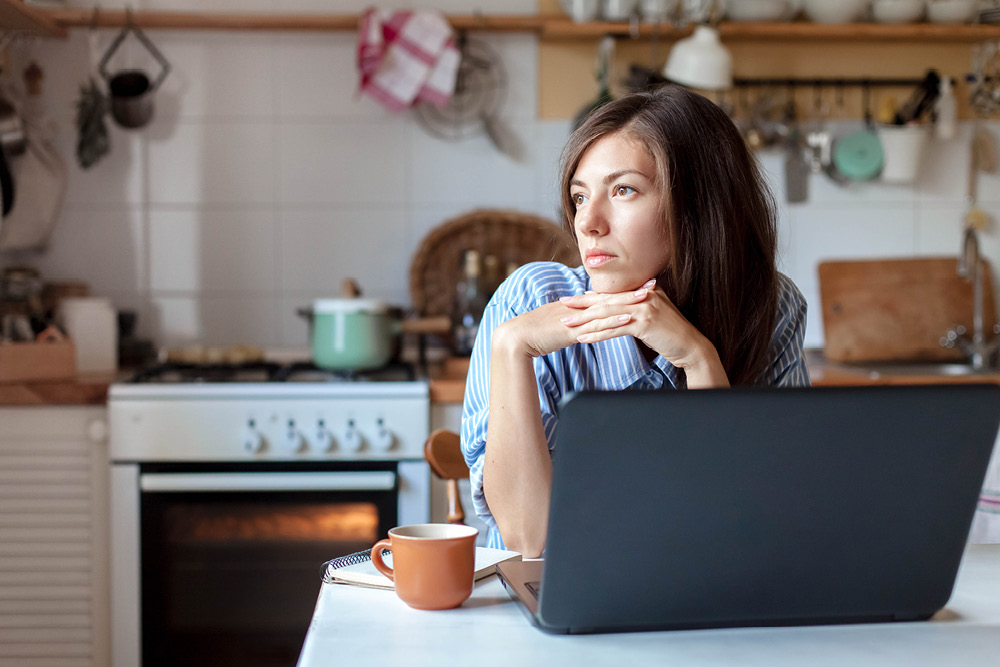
(366, 625)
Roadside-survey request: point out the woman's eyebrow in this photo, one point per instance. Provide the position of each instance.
(613, 176)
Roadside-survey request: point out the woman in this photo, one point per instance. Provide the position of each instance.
(678, 289)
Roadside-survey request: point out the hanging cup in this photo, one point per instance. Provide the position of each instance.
(131, 89)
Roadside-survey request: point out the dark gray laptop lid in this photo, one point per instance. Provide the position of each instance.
(762, 506)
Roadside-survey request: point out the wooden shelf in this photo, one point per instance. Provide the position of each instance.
(80, 18)
(19, 17)
(560, 28)
(547, 26)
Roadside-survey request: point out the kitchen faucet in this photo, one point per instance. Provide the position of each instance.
(979, 351)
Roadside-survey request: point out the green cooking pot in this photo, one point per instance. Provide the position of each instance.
(352, 334)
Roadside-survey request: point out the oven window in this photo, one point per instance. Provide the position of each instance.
(232, 578)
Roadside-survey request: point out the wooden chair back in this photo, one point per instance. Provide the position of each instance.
(443, 452)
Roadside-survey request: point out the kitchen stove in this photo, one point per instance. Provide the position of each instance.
(262, 411)
(232, 484)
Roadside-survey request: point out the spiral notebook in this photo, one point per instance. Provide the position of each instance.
(357, 568)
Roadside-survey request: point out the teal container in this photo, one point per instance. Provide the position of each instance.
(351, 334)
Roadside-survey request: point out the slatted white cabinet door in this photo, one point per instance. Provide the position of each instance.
(53, 537)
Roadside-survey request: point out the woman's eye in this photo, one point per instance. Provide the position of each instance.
(623, 190)
(578, 198)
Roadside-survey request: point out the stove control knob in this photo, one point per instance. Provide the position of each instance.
(253, 441)
(351, 439)
(292, 440)
(324, 439)
(384, 439)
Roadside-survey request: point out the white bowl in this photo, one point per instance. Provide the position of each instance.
(833, 11)
(897, 11)
(759, 10)
(581, 11)
(951, 11)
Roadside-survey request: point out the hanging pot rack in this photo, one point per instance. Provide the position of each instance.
(831, 82)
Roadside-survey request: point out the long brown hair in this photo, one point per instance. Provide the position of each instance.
(719, 218)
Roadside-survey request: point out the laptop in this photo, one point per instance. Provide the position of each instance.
(756, 507)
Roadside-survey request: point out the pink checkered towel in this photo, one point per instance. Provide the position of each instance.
(406, 57)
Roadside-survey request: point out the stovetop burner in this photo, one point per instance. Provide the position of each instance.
(266, 371)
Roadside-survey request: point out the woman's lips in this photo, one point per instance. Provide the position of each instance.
(596, 259)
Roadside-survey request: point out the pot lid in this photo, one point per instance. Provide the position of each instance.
(326, 306)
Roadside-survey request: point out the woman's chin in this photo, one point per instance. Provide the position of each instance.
(609, 284)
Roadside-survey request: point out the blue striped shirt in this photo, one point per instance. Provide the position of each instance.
(607, 365)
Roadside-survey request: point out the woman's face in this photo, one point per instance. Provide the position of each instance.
(619, 222)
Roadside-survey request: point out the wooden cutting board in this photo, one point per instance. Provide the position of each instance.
(897, 309)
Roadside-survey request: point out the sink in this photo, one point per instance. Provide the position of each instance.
(927, 368)
(815, 359)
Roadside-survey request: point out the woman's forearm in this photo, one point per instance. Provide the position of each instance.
(517, 471)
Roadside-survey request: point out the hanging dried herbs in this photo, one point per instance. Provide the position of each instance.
(93, 142)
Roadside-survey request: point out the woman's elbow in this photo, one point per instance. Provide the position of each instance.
(525, 540)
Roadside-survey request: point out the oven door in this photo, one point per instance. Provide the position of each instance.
(227, 557)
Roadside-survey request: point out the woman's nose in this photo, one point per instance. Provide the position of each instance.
(591, 220)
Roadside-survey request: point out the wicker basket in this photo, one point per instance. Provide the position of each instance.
(511, 237)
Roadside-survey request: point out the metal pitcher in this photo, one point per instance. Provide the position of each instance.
(131, 89)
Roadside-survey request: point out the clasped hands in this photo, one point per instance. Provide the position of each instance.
(645, 313)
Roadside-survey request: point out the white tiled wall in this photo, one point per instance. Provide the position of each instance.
(265, 180)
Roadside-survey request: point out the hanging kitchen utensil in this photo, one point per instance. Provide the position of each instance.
(131, 90)
(11, 128)
(921, 101)
(859, 155)
(817, 135)
(975, 217)
(41, 178)
(796, 168)
(11, 144)
(6, 185)
(480, 85)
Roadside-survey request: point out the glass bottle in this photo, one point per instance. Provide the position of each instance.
(471, 302)
(491, 276)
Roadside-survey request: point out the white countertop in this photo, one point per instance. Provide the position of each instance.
(365, 625)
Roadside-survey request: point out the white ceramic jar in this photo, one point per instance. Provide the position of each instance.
(92, 325)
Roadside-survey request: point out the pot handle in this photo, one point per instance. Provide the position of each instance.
(433, 325)
(305, 313)
(141, 36)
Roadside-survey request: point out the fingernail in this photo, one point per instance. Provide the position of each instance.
(650, 282)
(624, 318)
(641, 292)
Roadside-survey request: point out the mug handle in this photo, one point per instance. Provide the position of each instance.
(377, 558)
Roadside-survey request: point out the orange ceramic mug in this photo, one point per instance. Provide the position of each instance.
(433, 563)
